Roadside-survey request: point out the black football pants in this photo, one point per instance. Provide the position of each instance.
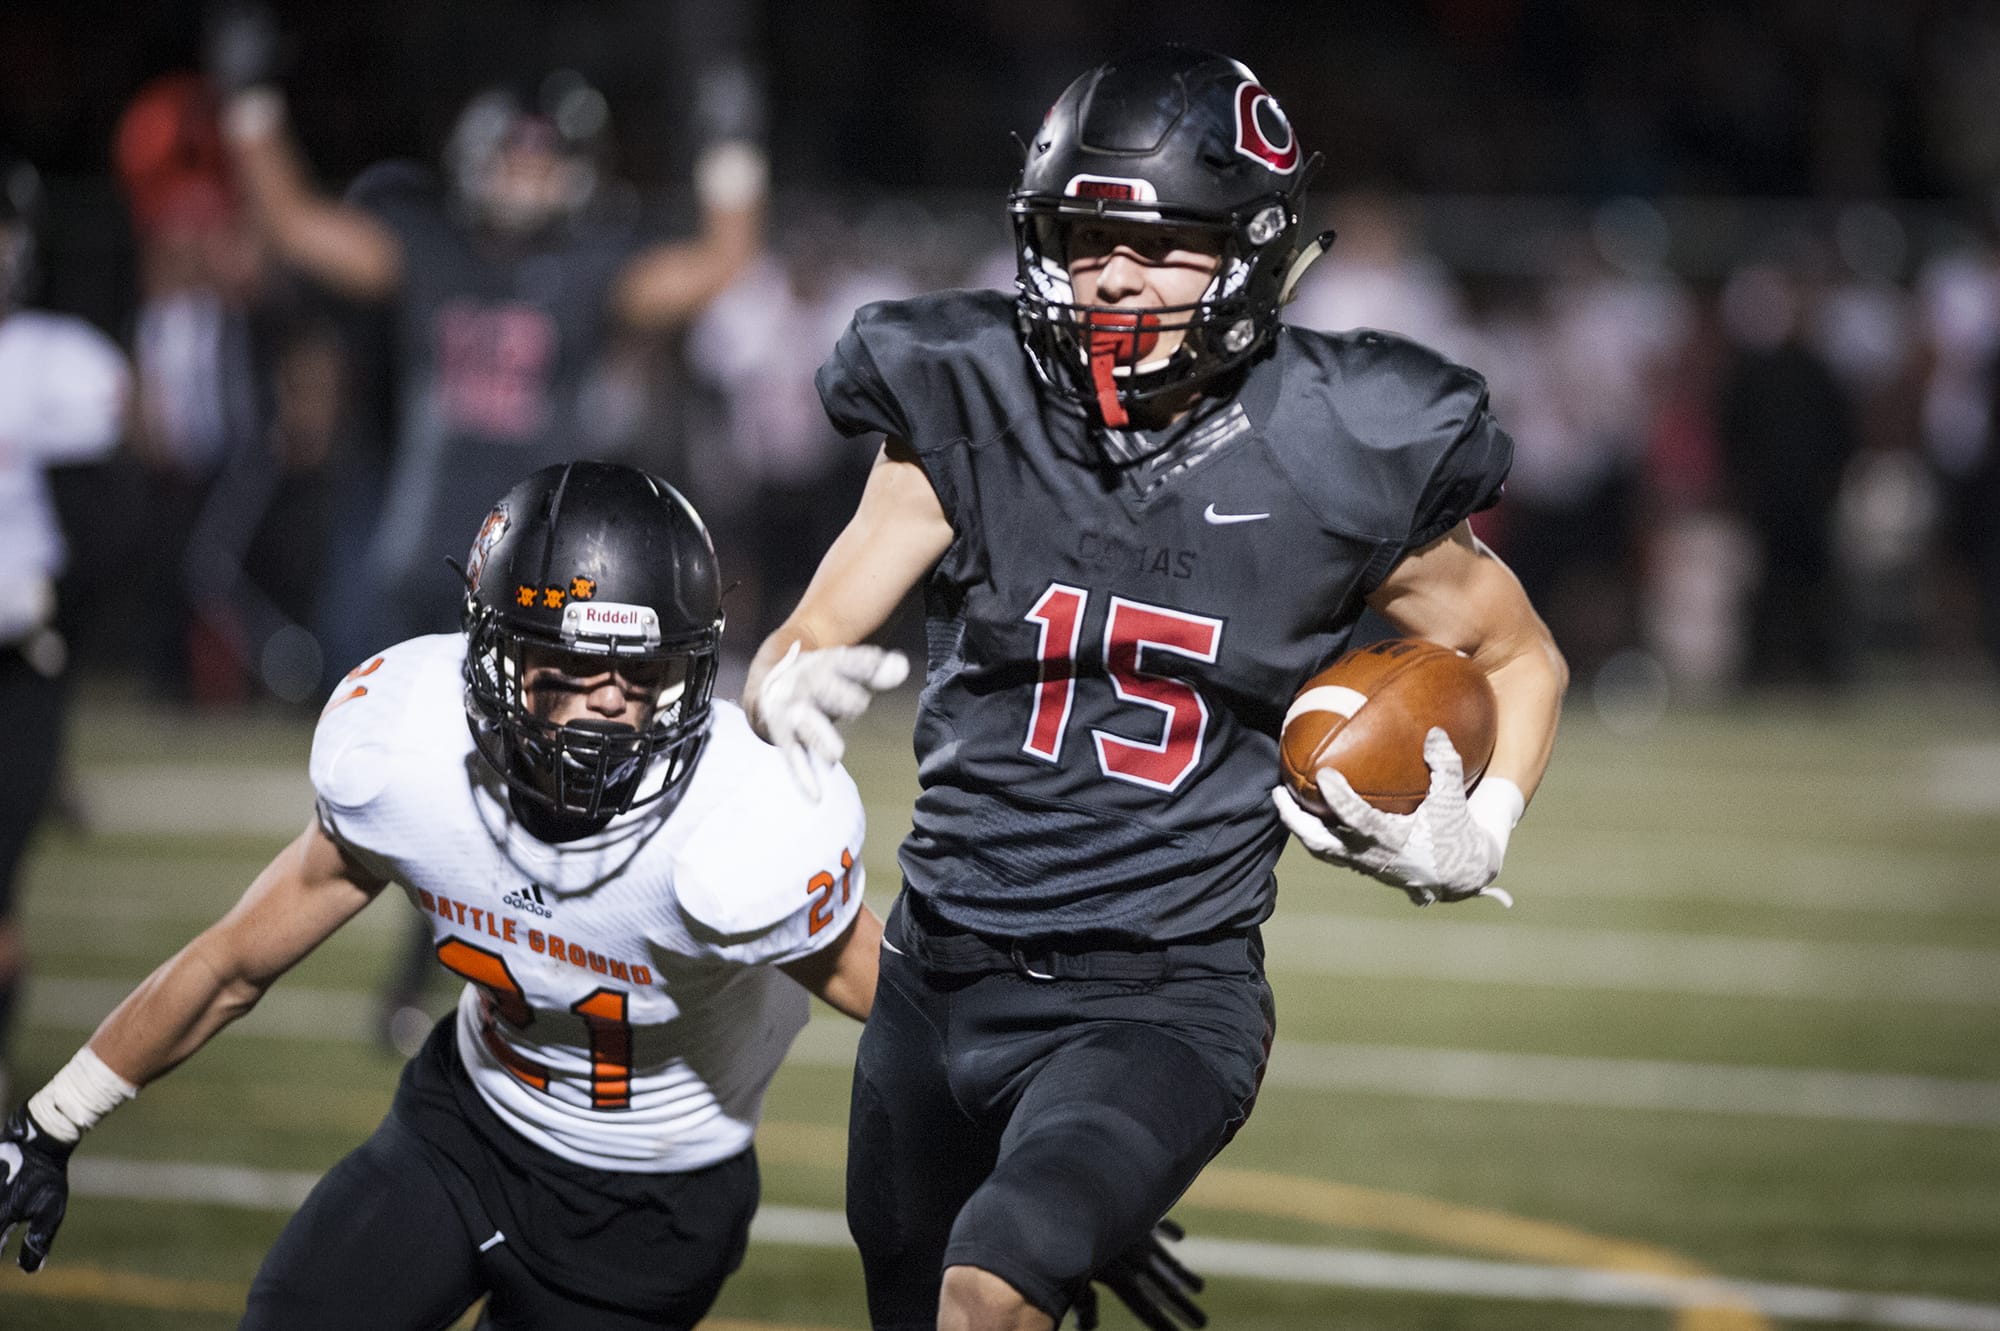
(1033, 1127)
(31, 710)
(444, 1204)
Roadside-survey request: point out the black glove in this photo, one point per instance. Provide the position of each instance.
(1151, 1282)
(34, 1185)
(242, 48)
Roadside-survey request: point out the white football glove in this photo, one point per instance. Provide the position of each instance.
(1449, 849)
(807, 694)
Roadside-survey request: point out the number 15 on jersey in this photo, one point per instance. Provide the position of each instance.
(1132, 629)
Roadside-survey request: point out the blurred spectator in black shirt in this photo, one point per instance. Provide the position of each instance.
(1786, 428)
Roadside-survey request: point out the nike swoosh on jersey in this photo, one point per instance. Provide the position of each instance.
(1224, 519)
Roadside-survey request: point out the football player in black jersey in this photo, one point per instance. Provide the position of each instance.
(502, 278)
(502, 284)
(1143, 511)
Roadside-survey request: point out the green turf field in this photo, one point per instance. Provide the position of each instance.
(1744, 1023)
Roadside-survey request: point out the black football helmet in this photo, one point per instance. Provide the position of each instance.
(563, 116)
(1178, 137)
(596, 560)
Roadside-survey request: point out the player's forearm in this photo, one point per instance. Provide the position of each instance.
(851, 987)
(341, 246)
(843, 975)
(304, 894)
(850, 597)
(1528, 683)
(169, 1016)
(843, 605)
(672, 284)
(897, 534)
(174, 1012)
(268, 166)
(1455, 591)
(670, 287)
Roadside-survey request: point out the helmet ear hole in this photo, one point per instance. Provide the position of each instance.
(1266, 225)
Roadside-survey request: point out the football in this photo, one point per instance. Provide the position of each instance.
(1366, 715)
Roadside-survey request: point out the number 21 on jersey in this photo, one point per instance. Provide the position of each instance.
(1131, 630)
(603, 1011)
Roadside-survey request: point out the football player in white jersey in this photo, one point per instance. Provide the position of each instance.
(594, 853)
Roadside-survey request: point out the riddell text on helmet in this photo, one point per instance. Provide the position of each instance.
(613, 619)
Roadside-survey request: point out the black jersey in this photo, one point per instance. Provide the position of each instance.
(494, 344)
(1110, 659)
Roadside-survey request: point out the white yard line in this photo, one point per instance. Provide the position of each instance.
(283, 1190)
(170, 800)
(1568, 1081)
(187, 1181)
(1445, 944)
(288, 1012)
(1627, 1083)
(1804, 873)
(1965, 778)
(1398, 1272)
(166, 920)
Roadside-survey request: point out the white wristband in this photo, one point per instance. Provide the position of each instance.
(83, 1092)
(253, 114)
(1495, 807)
(731, 175)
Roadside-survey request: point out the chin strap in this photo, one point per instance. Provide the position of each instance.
(1307, 257)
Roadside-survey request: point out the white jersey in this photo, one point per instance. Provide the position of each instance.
(622, 1012)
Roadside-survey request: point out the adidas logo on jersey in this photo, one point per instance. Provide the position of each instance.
(529, 902)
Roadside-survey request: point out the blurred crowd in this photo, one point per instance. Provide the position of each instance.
(1717, 266)
(1779, 473)
(1777, 470)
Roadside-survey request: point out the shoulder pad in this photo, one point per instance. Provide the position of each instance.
(747, 866)
(1392, 379)
(900, 362)
(1386, 438)
(364, 729)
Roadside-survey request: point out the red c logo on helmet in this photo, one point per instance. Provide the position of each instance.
(1252, 141)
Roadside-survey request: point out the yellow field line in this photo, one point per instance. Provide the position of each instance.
(1349, 1206)
(96, 1284)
